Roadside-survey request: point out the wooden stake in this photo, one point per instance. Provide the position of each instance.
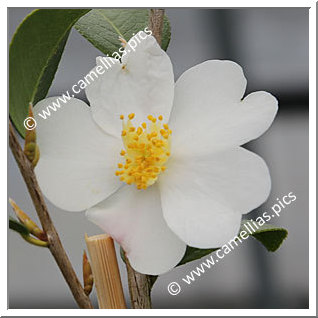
(106, 274)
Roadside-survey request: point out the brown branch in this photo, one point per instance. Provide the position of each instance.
(156, 23)
(55, 244)
(139, 288)
(140, 284)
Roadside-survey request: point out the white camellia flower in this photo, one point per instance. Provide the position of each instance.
(158, 165)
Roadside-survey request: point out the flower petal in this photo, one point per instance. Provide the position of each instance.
(203, 198)
(77, 159)
(143, 85)
(134, 219)
(208, 113)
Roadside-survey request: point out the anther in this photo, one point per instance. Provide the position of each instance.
(147, 151)
(139, 131)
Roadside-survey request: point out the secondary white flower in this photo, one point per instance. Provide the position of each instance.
(194, 179)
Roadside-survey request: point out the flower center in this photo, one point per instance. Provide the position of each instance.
(147, 148)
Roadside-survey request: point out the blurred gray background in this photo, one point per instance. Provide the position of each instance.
(271, 44)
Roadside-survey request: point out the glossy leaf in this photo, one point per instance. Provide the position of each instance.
(270, 236)
(34, 55)
(103, 27)
(16, 226)
(25, 234)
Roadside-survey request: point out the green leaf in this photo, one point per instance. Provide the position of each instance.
(270, 236)
(25, 234)
(34, 55)
(193, 253)
(18, 227)
(102, 27)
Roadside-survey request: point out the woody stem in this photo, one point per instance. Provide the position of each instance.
(140, 284)
(55, 245)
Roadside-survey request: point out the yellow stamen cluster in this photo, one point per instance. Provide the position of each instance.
(147, 149)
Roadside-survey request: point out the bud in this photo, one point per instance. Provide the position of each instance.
(31, 149)
(87, 275)
(122, 41)
(28, 223)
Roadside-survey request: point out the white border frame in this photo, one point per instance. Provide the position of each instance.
(312, 166)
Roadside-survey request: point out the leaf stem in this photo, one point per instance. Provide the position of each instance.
(55, 244)
(34, 241)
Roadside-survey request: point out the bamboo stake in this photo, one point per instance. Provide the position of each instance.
(105, 271)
